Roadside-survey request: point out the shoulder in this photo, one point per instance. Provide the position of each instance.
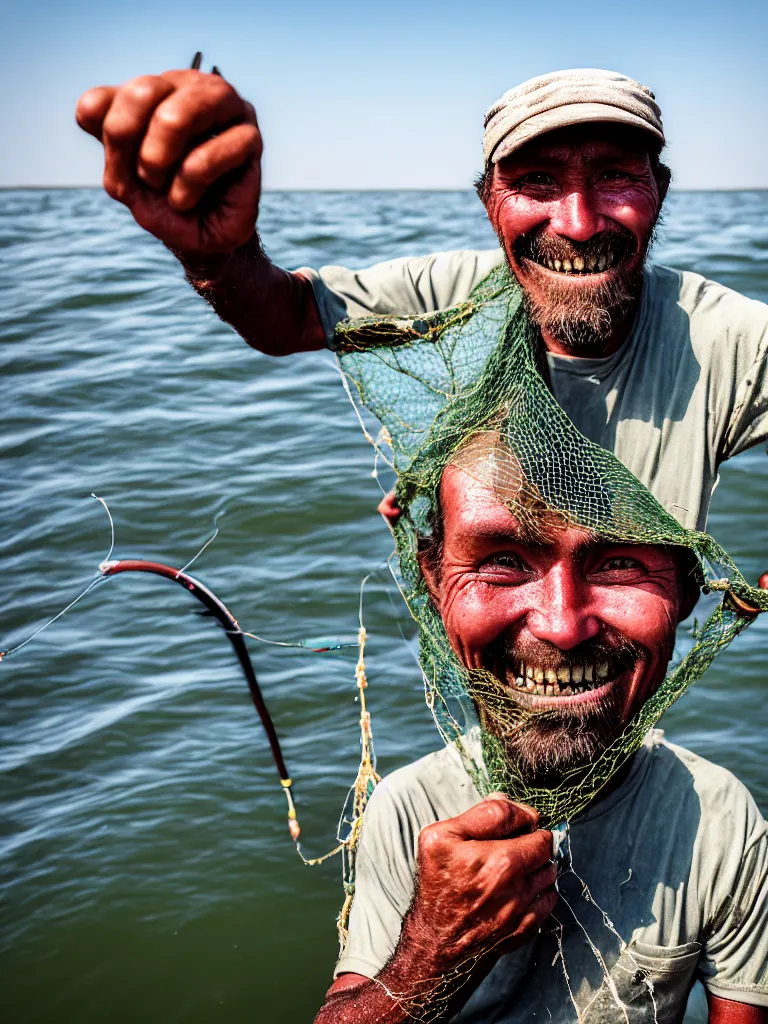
(714, 310)
(431, 789)
(728, 816)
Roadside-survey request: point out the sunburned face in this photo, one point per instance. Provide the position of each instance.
(575, 211)
(573, 626)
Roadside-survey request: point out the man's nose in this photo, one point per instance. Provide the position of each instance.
(576, 216)
(561, 614)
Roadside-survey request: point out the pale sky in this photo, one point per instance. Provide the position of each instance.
(371, 94)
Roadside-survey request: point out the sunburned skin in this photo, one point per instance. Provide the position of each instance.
(573, 614)
(575, 212)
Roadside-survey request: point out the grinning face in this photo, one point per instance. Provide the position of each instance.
(575, 211)
(574, 626)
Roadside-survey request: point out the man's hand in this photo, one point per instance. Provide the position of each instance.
(485, 883)
(485, 886)
(182, 151)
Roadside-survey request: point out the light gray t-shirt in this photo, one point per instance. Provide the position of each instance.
(686, 391)
(676, 858)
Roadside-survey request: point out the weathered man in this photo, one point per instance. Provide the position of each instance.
(451, 890)
(664, 368)
(667, 370)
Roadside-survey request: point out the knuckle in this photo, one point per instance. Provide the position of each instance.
(431, 840)
(118, 128)
(170, 118)
(140, 90)
(152, 159)
(114, 188)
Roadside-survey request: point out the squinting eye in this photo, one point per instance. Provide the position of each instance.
(508, 560)
(535, 178)
(614, 175)
(620, 563)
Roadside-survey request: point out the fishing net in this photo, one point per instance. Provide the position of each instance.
(467, 386)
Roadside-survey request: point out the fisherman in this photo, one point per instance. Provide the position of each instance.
(662, 367)
(452, 890)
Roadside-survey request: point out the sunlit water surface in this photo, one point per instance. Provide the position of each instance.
(147, 870)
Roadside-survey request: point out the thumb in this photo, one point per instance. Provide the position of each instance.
(495, 817)
(92, 108)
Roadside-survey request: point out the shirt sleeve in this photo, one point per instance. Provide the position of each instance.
(734, 961)
(399, 287)
(747, 422)
(384, 881)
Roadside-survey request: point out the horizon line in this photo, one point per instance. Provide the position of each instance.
(332, 191)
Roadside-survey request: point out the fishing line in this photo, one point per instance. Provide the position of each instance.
(80, 596)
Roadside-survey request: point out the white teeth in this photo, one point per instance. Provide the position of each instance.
(602, 670)
(578, 263)
(564, 674)
(520, 683)
(538, 675)
(577, 673)
(588, 674)
(530, 686)
(551, 676)
(591, 263)
(540, 691)
(567, 266)
(550, 265)
(529, 672)
(549, 690)
(601, 263)
(558, 264)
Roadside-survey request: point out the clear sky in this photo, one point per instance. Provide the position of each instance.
(386, 93)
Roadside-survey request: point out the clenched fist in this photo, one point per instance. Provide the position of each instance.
(182, 151)
(485, 881)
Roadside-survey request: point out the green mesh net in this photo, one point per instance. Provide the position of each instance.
(467, 386)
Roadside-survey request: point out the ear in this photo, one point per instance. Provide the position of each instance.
(689, 597)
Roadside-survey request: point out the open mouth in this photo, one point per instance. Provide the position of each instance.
(566, 680)
(582, 266)
(600, 254)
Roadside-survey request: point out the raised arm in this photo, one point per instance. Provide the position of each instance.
(182, 151)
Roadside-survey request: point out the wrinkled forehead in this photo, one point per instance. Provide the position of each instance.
(582, 143)
(484, 488)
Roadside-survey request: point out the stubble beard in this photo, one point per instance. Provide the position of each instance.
(583, 320)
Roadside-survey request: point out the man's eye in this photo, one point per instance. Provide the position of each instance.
(508, 560)
(621, 563)
(535, 178)
(615, 174)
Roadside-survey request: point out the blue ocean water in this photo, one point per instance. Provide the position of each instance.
(147, 872)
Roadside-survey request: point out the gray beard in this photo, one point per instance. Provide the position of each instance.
(548, 747)
(585, 324)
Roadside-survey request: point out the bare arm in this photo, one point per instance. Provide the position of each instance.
(485, 886)
(182, 151)
(274, 310)
(726, 1011)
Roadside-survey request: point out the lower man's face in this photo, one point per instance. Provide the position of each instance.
(575, 212)
(577, 627)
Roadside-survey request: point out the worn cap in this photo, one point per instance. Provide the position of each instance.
(563, 98)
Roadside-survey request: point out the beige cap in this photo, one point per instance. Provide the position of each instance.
(563, 98)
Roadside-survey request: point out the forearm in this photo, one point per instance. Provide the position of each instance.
(417, 984)
(273, 309)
